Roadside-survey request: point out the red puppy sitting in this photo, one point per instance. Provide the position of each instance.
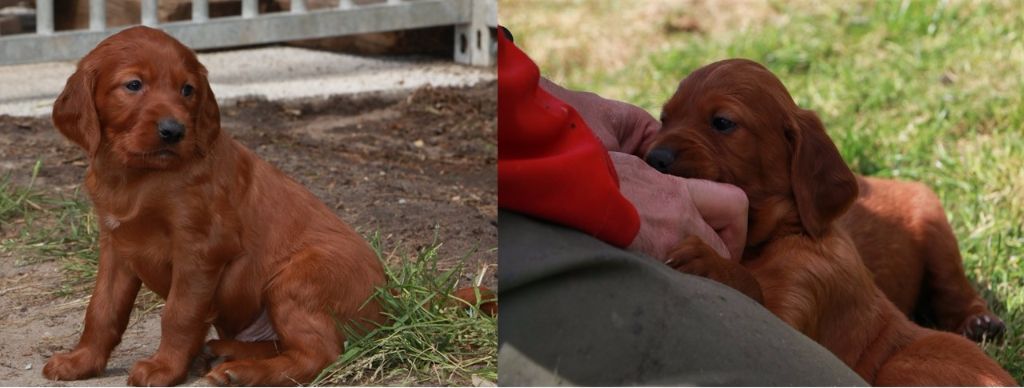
(224, 237)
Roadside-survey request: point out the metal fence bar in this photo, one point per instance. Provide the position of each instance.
(250, 8)
(44, 17)
(239, 31)
(473, 42)
(97, 15)
(149, 17)
(298, 6)
(200, 11)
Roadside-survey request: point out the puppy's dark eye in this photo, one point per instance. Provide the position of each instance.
(723, 124)
(186, 90)
(133, 85)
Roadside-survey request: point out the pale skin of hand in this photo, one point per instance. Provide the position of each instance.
(670, 208)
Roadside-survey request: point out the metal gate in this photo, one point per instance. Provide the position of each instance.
(474, 21)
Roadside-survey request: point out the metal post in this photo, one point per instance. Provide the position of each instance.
(298, 6)
(345, 4)
(200, 11)
(149, 13)
(97, 15)
(249, 8)
(473, 42)
(44, 17)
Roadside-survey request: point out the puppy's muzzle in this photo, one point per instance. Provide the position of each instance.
(170, 130)
(661, 159)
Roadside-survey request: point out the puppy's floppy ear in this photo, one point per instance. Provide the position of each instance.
(208, 120)
(74, 112)
(823, 186)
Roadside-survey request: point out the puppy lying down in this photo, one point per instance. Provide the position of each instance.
(733, 121)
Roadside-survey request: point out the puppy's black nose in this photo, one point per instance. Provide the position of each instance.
(170, 130)
(661, 159)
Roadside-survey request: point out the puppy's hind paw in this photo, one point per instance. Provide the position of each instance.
(984, 326)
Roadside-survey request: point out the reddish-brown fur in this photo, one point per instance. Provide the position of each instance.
(477, 296)
(805, 263)
(224, 237)
(902, 235)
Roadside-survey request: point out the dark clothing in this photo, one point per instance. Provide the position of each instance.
(577, 311)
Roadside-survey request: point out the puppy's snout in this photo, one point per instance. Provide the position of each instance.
(170, 130)
(661, 159)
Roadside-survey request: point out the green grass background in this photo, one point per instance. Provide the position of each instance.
(922, 90)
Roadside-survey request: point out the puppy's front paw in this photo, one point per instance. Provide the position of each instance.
(154, 373)
(76, 365)
(982, 326)
(695, 257)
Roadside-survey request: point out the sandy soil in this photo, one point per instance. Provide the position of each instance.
(410, 165)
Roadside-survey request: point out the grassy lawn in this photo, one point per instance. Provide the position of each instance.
(430, 339)
(922, 90)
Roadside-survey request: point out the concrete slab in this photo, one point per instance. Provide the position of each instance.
(275, 73)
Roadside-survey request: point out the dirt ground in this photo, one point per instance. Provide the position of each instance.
(413, 166)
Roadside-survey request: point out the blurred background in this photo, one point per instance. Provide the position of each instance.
(931, 91)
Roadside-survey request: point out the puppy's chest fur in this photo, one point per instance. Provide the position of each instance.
(160, 224)
(818, 286)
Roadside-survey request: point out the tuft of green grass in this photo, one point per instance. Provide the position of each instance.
(429, 338)
(920, 90)
(46, 227)
(16, 202)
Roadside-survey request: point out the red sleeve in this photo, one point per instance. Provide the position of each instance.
(550, 164)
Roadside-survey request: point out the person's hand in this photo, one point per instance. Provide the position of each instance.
(621, 127)
(672, 208)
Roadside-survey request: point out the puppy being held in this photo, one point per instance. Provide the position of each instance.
(224, 237)
(733, 121)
